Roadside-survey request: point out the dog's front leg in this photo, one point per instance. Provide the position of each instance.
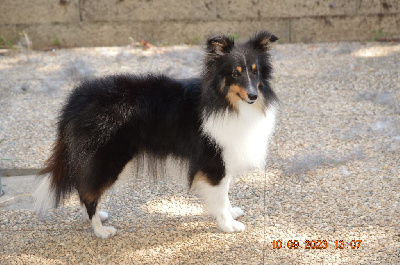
(216, 201)
(236, 212)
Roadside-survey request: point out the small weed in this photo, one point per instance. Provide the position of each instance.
(5, 43)
(379, 35)
(25, 43)
(132, 41)
(56, 41)
(234, 36)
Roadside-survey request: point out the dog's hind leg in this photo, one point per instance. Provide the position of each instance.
(95, 217)
(216, 201)
(103, 175)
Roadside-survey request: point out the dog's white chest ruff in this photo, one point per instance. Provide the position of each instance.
(243, 136)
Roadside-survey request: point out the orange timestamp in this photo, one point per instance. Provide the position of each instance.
(316, 244)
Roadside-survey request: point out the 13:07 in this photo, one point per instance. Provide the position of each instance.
(354, 244)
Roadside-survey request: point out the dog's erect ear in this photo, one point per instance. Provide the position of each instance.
(219, 45)
(261, 41)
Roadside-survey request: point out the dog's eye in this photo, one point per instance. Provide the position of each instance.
(235, 73)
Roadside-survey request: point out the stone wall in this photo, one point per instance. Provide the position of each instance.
(72, 23)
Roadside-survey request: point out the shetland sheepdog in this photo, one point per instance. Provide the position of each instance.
(219, 124)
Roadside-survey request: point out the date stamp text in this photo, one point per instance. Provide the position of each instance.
(316, 244)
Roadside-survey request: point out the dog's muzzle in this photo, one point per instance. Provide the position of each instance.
(252, 97)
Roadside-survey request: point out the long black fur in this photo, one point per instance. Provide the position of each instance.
(106, 122)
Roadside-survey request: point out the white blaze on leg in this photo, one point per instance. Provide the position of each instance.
(217, 202)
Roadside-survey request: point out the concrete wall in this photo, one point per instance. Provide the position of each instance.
(117, 22)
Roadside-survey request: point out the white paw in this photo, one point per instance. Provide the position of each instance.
(105, 231)
(103, 215)
(231, 226)
(236, 212)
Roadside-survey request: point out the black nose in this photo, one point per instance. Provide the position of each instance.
(252, 96)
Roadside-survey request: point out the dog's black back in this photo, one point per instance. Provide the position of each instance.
(107, 121)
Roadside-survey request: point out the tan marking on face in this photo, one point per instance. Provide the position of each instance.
(253, 66)
(236, 93)
(218, 44)
(239, 69)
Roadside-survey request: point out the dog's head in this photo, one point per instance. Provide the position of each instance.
(239, 71)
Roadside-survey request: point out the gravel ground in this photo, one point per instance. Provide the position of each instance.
(333, 170)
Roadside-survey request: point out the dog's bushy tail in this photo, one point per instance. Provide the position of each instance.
(56, 182)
